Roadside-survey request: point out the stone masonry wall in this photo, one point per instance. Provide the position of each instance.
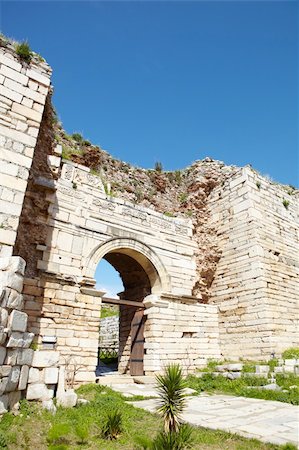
(256, 281)
(22, 98)
(23, 91)
(61, 314)
(15, 354)
(181, 332)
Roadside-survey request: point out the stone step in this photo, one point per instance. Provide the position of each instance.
(144, 379)
(110, 380)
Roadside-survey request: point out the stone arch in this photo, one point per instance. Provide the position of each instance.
(137, 250)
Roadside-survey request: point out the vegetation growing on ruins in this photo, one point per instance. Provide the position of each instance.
(24, 52)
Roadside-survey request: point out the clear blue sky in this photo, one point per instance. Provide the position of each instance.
(173, 81)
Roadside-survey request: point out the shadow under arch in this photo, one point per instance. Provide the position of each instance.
(137, 251)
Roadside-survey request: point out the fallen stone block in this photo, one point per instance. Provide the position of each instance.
(234, 367)
(3, 404)
(68, 399)
(49, 406)
(261, 369)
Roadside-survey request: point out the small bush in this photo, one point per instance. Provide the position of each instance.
(183, 197)
(57, 434)
(82, 432)
(78, 138)
(291, 353)
(285, 203)
(158, 166)
(258, 184)
(175, 440)
(24, 52)
(113, 426)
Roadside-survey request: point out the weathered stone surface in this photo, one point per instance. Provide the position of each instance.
(25, 356)
(234, 367)
(3, 403)
(34, 375)
(20, 340)
(23, 378)
(51, 375)
(3, 385)
(68, 399)
(4, 370)
(2, 355)
(17, 321)
(39, 391)
(13, 379)
(45, 358)
(49, 406)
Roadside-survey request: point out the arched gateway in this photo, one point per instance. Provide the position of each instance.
(160, 321)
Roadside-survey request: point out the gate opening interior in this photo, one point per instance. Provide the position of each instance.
(137, 286)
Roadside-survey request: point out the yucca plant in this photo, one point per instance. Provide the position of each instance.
(171, 386)
(174, 440)
(113, 426)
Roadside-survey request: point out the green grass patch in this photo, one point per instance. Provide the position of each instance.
(82, 427)
(291, 353)
(247, 386)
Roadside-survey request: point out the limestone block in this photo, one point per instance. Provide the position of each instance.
(11, 357)
(23, 378)
(20, 340)
(12, 299)
(53, 160)
(34, 375)
(4, 370)
(49, 406)
(51, 375)
(261, 369)
(13, 379)
(68, 399)
(234, 367)
(2, 355)
(9, 62)
(3, 404)
(17, 136)
(11, 280)
(3, 385)
(3, 335)
(3, 317)
(36, 76)
(45, 358)
(39, 391)
(12, 95)
(13, 400)
(26, 112)
(17, 321)
(25, 356)
(14, 75)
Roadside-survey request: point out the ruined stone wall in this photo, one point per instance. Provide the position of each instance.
(179, 331)
(60, 314)
(255, 284)
(23, 93)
